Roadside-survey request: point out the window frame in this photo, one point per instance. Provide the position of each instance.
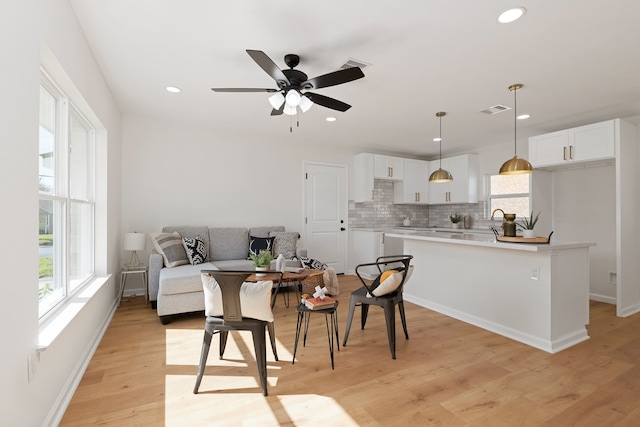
(60, 196)
(491, 197)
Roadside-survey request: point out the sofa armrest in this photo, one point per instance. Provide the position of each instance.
(156, 263)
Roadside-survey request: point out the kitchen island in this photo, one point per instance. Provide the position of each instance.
(537, 294)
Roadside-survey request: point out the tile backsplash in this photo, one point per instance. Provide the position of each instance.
(382, 213)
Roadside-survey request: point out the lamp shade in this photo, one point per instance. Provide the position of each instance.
(305, 104)
(276, 100)
(441, 175)
(134, 241)
(516, 166)
(293, 98)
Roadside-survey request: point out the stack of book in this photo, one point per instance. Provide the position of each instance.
(319, 304)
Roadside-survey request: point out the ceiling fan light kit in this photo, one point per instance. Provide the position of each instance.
(515, 165)
(440, 175)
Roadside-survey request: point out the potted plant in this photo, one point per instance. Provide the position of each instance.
(261, 260)
(527, 225)
(455, 220)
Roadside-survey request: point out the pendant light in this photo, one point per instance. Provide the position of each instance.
(516, 165)
(440, 175)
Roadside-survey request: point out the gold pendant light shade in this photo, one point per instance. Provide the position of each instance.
(441, 175)
(516, 165)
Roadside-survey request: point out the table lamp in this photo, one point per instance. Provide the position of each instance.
(134, 242)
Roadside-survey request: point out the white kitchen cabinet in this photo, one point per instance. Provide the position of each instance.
(581, 144)
(367, 167)
(463, 188)
(388, 167)
(365, 246)
(413, 189)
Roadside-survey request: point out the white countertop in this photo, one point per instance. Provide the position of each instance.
(484, 240)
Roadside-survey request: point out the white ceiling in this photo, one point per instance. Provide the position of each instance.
(578, 59)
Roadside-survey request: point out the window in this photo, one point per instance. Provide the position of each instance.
(66, 159)
(511, 193)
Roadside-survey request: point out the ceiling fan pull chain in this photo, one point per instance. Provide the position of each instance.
(290, 124)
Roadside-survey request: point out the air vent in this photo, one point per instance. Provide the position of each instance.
(351, 63)
(495, 109)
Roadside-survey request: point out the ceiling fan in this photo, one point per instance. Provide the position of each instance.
(294, 84)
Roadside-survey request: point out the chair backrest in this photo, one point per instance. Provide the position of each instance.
(389, 262)
(230, 283)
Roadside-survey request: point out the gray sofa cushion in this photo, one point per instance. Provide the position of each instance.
(228, 243)
(182, 279)
(192, 231)
(264, 231)
(235, 264)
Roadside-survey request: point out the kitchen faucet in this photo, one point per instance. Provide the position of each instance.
(494, 212)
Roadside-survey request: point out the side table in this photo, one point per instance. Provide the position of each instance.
(124, 273)
(331, 321)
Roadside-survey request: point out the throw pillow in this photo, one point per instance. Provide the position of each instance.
(255, 298)
(312, 263)
(285, 243)
(259, 244)
(387, 282)
(169, 245)
(195, 248)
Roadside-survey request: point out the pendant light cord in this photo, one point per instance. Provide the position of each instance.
(515, 121)
(440, 142)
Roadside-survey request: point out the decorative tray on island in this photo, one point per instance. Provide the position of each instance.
(520, 239)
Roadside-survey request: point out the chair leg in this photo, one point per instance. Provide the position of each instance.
(223, 342)
(363, 315)
(352, 308)
(403, 318)
(260, 345)
(272, 338)
(206, 343)
(390, 317)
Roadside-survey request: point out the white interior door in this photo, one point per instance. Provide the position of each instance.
(326, 214)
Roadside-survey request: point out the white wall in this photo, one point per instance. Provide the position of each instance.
(584, 209)
(26, 25)
(177, 174)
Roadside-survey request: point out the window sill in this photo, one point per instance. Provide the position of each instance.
(57, 323)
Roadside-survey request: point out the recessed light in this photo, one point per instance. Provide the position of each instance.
(173, 89)
(330, 119)
(437, 139)
(511, 15)
(523, 116)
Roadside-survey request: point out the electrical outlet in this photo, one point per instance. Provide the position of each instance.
(535, 273)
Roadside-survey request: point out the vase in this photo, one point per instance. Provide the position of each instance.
(457, 225)
(261, 269)
(529, 234)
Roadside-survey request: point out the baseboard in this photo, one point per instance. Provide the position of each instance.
(603, 298)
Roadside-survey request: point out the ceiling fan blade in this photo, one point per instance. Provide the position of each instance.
(269, 66)
(240, 89)
(327, 102)
(334, 78)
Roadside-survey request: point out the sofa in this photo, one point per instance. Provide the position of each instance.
(176, 287)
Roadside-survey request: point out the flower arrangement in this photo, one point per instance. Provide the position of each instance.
(455, 218)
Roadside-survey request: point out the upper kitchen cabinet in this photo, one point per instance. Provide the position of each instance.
(463, 188)
(388, 167)
(367, 167)
(581, 144)
(413, 189)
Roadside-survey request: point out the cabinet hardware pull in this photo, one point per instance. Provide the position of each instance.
(564, 153)
(571, 152)
(390, 172)
(372, 193)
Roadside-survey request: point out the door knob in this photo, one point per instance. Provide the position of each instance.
(342, 228)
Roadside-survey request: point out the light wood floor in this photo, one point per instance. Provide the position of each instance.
(448, 373)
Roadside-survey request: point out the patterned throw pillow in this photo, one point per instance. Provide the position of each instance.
(312, 263)
(259, 244)
(387, 282)
(195, 248)
(285, 243)
(169, 245)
